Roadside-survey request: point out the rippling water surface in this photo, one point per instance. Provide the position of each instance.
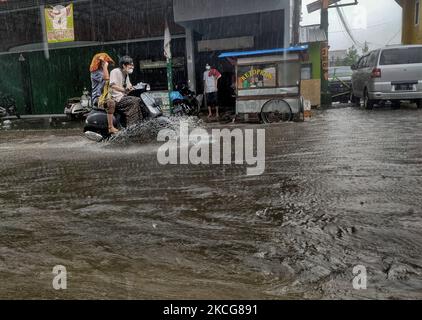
(342, 190)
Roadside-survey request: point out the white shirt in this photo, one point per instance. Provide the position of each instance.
(210, 82)
(118, 78)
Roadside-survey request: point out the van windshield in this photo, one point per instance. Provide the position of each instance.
(401, 56)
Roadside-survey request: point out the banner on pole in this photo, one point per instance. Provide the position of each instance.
(59, 23)
(167, 42)
(167, 54)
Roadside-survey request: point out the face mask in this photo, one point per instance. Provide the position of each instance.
(130, 71)
(208, 68)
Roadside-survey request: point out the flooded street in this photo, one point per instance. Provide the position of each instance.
(342, 190)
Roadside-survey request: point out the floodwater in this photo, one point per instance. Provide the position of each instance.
(342, 190)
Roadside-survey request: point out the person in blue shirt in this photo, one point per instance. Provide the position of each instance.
(100, 79)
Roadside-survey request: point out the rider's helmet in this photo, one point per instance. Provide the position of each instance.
(125, 60)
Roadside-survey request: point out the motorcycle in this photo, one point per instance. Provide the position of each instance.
(8, 107)
(78, 108)
(96, 124)
(186, 102)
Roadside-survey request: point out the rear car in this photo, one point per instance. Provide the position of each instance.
(389, 74)
(340, 83)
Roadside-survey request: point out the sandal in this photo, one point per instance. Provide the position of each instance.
(112, 130)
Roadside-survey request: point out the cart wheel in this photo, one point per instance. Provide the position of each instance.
(275, 111)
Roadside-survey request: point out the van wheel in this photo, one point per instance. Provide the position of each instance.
(367, 103)
(396, 104)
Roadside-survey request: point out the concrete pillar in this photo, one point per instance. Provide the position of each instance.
(288, 11)
(190, 57)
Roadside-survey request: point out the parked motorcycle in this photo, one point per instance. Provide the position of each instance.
(8, 107)
(96, 124)
(78, 108)
(185, 101)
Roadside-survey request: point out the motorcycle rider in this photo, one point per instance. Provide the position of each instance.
(100, 78)
(120, 88)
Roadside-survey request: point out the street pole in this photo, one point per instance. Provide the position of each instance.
(170, 81)
(325, 95)
(297, 14)
(167, 54)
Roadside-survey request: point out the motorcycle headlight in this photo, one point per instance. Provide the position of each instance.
(84, 103)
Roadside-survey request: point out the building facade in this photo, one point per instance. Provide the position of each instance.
(334, 56)
(41, 76)
(412, 25)
(315, 38)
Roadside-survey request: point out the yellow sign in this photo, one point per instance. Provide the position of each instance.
(257, 72)
(59, 23)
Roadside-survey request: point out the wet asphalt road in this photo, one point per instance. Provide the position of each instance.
(342, 190)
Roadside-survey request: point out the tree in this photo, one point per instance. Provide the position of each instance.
(352, 56)
(365, 48)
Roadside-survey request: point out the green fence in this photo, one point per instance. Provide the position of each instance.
(48, 83)
(11, 80)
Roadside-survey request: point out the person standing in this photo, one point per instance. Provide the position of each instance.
(211, 77)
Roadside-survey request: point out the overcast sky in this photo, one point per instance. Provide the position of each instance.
(375, 21)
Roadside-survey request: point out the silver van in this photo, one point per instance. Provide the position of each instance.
(392, 73)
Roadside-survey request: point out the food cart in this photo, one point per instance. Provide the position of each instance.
(268, 83)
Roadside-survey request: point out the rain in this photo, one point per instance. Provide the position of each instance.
(340, 190)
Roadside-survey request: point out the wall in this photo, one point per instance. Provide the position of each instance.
(189, 10)
(311, 89)
(11, 80)
(66, 72)
(99, 21)
(315, 59)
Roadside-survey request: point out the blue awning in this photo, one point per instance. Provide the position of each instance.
(261, 52)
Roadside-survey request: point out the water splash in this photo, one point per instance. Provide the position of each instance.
(147, 132)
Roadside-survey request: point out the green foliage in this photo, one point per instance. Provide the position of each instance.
(352, 56)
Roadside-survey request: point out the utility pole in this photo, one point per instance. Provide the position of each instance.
(324, 6)
(297, 15)
(325, 94)
(168, 55)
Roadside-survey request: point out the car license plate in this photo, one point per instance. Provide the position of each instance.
(404, 87)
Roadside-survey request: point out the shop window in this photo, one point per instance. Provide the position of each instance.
(306, 71)
(257, 76)
(289, 74)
